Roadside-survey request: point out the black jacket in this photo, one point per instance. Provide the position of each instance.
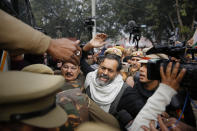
(133, 100)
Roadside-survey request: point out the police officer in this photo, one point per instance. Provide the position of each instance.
(27, 101)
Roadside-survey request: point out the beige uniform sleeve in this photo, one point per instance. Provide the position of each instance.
(19, 37)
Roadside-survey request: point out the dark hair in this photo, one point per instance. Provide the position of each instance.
(126, 58)
(113, 57)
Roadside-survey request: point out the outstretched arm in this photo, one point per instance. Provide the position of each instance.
(157, 102)
(96, 42)
(19, 37)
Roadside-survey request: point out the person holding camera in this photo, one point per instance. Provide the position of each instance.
(170, 84)
(157, 103)
(135, 98)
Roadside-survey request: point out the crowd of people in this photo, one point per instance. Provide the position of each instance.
(105, 90)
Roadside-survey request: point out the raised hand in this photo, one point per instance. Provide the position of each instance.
(172, 78)
(98, 40)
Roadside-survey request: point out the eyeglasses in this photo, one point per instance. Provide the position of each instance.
(71, 67)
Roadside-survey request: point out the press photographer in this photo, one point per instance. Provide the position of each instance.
(134, 30)
(171, 76)
(178, 52)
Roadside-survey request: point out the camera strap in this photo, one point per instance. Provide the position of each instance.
(185, 103)
(193, 103)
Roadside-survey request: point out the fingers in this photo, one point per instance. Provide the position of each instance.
(103, 43)
(175, 70)
(79, 49)
(162, 73)
(101, 36)
(72, 59)
(172, 75)
(170, 122)
(162, 125)
(77, 42)
(165, 115)
(181, 75)
(75, 59)
(145, 128)
(168, 69)
(152, 126)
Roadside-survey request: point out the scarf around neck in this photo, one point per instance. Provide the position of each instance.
(103, 95)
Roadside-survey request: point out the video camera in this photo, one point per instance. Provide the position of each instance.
(134, 30)
(89, 24)
(179, 52)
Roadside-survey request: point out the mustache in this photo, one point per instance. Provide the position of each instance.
(134, 65)
(104, 76)
(68, 74)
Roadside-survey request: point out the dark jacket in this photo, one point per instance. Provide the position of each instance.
(85, 67)
(133, 100)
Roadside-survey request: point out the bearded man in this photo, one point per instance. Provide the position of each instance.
(105, 85)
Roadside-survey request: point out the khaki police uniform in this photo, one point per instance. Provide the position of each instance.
(14, 35)
(38, 68)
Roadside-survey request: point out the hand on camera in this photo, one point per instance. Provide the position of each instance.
(171, 77)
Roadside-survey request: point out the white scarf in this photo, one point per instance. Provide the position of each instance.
(103, 95)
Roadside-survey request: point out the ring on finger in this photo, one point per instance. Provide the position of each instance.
(173, 125)
(167, 120)
(77, 53)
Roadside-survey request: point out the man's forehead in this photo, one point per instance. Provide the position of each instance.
(136, 58)
(69, 64)
(144, 64)
(109, 63)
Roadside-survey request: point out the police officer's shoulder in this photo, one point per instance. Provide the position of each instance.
(38, 68)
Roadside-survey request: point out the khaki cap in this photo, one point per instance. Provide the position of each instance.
(90, 126)
(114, 51)
(120, 48)
(137, 54)
(30, 98)
(153, 56)
(38, 68)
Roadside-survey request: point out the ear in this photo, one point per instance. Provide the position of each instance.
(79, 69)
(117, 73)
(61, 68)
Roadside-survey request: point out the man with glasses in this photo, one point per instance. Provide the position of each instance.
(72, 74)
